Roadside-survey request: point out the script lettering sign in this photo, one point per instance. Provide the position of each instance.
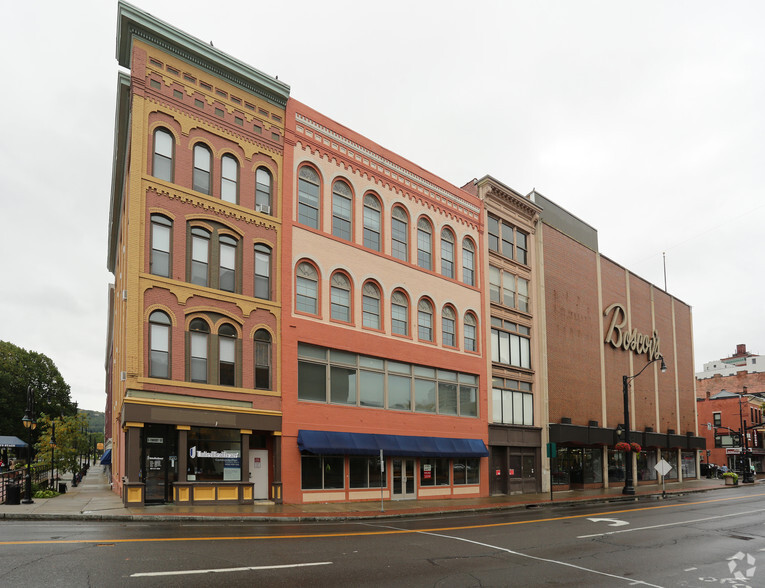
(619, 336)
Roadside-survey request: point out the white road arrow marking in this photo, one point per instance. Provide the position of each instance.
(611, 522)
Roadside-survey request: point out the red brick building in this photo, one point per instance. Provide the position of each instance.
(729, 398)
(601, 323)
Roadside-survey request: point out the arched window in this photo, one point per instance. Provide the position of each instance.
(200, 256)
(448, 327)
(199, 335)
(447, 253)
(262, 359)
(372, 222)
(342, 209)
(159, 337)
(424, 244)
(263, 190)
(307, 289)
(308, 197)
(162, 162)
(425, 320)
(202, 168)
(399, 234)
(468, 262)
(470, 333)
(340, 298)
(227, 277)
(262, 271)
(399, 313)
(229, 179)
(161, 233)
(227, 355)
(370, 302)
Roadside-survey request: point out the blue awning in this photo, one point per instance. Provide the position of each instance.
(106, 458)
(11, 441)
(334, 443)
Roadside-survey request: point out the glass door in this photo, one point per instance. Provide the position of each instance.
(403, 478)
(160, 463)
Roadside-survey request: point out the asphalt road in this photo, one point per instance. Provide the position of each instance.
(698, 540)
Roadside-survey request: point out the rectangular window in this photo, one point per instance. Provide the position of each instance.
(717, 419)
(198, 357)
(510, 349)
(512, 407)
(521, 248)
(399, 392)
(339, 377)
(227, 266)
(215, 455)
(466, 471)
(493, 233)
(312, 382)
(371, 389)
(321, 472)
(523, 295)
(508, 290)
(341, 216)
(434, 471)
(507, 240)
(365, 472)
(399, 239)
(160, 351)
(342, 385)
(495, 281)
(160, 246)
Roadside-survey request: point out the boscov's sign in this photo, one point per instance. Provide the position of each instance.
(619, 336)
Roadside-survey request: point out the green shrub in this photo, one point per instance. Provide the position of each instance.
(45, 494)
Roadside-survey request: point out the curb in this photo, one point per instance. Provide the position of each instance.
(342, 517)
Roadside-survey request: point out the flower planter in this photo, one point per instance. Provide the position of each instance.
(731, 482)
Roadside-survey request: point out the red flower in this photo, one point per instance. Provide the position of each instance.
(622, 446)
(635, 447)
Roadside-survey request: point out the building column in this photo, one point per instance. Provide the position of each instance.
(276, 487)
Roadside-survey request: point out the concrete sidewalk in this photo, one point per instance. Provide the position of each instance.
(92, 499)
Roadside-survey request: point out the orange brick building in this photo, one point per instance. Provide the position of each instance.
(381, 341)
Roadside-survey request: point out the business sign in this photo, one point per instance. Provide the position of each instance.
(632, 340)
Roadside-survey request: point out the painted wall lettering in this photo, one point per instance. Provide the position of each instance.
(619, 336)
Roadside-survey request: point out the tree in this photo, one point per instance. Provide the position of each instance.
(19, 369)
(71, 442)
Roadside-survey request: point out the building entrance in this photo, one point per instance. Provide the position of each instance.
(514, 470)
(160, 462)
(403, 478)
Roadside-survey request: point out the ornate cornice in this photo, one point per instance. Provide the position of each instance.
(135, 23)
(373, 161)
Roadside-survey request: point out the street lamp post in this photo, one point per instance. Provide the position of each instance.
(629, 487)
(53, 455)
(30, 424)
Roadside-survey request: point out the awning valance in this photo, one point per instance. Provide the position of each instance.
(339, 443)
(11, 441)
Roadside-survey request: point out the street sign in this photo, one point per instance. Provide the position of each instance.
(552, 450)
(662, 467)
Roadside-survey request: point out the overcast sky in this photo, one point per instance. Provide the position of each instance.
(644, 119)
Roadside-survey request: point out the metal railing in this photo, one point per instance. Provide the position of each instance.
(40, 475)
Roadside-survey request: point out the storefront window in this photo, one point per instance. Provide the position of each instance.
(646, 466)
(214, 455)
(616, 466)
(689, 464)
(466, 471)
(321, 472)
(578, 465)
(365, 472)
(670, 456)
(434, 471)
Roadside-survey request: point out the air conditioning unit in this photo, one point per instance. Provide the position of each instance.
(123, 376)
(124, 294)
(264, 208)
